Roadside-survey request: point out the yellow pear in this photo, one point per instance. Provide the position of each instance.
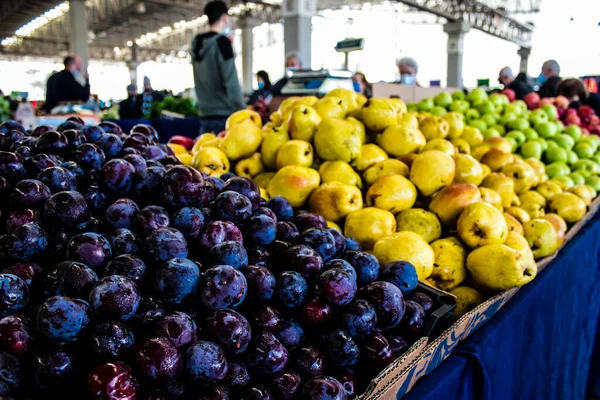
(185, 158)
(479, 151)
(513, 224)
(250, 167)
(378, 114)
(337, 140)
(334, 200)
(287, 104)
(559, 224)
(370, 154)
(407, 246)
(523, 174)
(541, 236)
(467, 299)
(518, 213)
(294, 182)
(349, 97)
(393, 193)
(532, 196)
(359, 127)
(294, 152)
(480, 224)
(242, 116)
(431, 171)
(330, 107)
(486, 170)
(472, 135)
(264, 194)
(434, 127)
(410, 119)
(539, 167)
(584, 192)
(383, 168)
(241, 140)
(273, 140)
(461, 145)
(177, 148)
(211, 160)
(440, 145)
(499, 143)
(420, 221)
(548, 189)
(262, 180)
(449, 202)
(468, 170)
(491, 197)
(456, 124)
(570, 207)
(306, 101)
(333, 225)
(339, 171)
(368, 225)
(502, 184)
(303, 123)
(398, 140)
(201, 140)
(449, 267)
(398, 104)
(496, 159)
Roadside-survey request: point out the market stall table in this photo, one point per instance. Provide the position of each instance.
(539, 346)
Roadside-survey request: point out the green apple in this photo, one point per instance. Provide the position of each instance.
(412, 107)
(477, 96)
(489, 119)
(564, 179)
(513, 143)
(574, 131)
(572, 157)
(499, 99)
(556, 154)
(485, 108)
(545, 129)
(519, 124)
(438, 110)
(596, 158)
(518, 136)
(559, 125)
(584, 149)
(531, 150)
(490, 132)
(479, 124)
(590, 140)
(583, 172)
(587, 165)
(542, 143)
(593, 181)
(550, 111)
(458, 95)
(557, 169)
(500, 128)
(565, 141)
(471, 114)
(530, 133)
(537, 116)
(521, 105)
(594, 138)
(459, 106)
(552, 144)
(507, 118)
(443, 99)
(425, 104)
(577, 178)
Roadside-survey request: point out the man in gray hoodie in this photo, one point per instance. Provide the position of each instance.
(215, 76)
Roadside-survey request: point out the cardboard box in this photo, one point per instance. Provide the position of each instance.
(408, 94)
(399, 378)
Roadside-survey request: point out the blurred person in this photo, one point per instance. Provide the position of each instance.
(292, 63)
(130, 108)
(364, 87)
(67, 85)
(577, 94)
(149, 96)
(264, 87)
(215, 76)
(519, 86)
(408, 68)
(549, 79)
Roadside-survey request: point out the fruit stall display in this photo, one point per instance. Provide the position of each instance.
(127, 275)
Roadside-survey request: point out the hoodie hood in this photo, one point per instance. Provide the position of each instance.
(204, 45)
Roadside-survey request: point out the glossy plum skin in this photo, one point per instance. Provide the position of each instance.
(128, 266)
(281, 207)
(164, 244)
(261, 282)
(292, 289)
(304, 260)
(397, 344)
(67, 210)
(260, 230)
(324, 387)
(267, 355)
(189, 221)
(230, 330)
(424, 300)
(205, 361)
(14, 295)
(287, 385)
(337, 286)
(16, 335)
(266, 318)
(113, 380)
(223, 287)
(183, 186)
(316, 312)
(246, 187)
(217, 232)
(387, 300)
(111, 340)
(377, 351)
(115, 298)
(90, 249)
(309, 362)
(53, 366)
(63, 319)
(342, 349)
(158, 359)
(366, 266)
(359, 318)
(232, 206)
(319, 239)
(286, 231)
(229, 253)
(125, 242)
(18, 218)
(26, 242)
(414, 318)
(26, 270)
(58, 179)
(150, 219)
(121, 214)
(179, 328)
(402, 274)
(69, 278)
(30, 193)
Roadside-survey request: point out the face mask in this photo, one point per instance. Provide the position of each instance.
(407, 79)
(541, 79)
(227, 31)
(261, 85)
(500, 80)
(356, 87)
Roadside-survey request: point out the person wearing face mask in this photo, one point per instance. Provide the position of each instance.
(519, 86)
(292, 63)
(408, 68)
(574, 90)
(549, 79)
(215, 76)
(68, 85)
(264, 87)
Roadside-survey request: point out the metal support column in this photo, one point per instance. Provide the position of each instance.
(78, 32)
(133, 64)
(246, 24)
(297, 28)
(524, 52)
(456, 42)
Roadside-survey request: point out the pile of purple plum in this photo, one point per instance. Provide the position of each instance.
(128, 276)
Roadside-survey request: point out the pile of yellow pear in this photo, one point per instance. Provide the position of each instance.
(407, 185)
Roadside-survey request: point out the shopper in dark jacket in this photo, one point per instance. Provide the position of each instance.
(68, 85)
(130, 108)
(292, 63)
(215, 76)
(549, 79)
(574, 90)
(519, 86)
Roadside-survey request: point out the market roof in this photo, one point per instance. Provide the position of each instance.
(149, 28)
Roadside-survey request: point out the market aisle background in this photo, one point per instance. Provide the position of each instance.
(566, 30)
